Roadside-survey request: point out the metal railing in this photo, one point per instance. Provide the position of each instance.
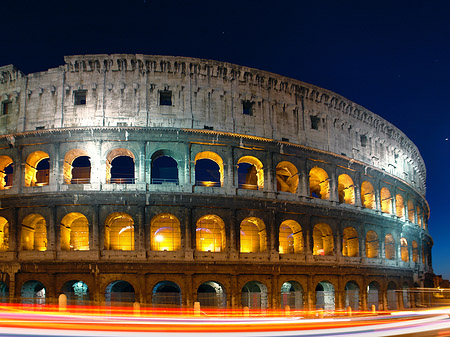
(164, 181)
(121, 181)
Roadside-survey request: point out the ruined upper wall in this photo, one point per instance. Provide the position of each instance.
(124, 90)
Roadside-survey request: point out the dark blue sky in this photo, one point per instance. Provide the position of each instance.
(392, 57)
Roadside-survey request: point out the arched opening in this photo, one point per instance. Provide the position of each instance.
(415, 251)
(352, 295)
(419, 217)
(292, 295)
(120, 167)
(253, 236)
(77, 167)
(346, 189)
(119, 293)
(4, 235)
(34, 233)
(404, 249)
(4, 292)
(323, 240)
(287, 177)
(210, 234)
(392, 296)
(406, 296)
(411, 211)
(350, 242)
(372, 245)
(399, 206)
(165, 233)
(74, 232)
(77, 292)
(166, 294)
(254, 295)
(325, 296)
(37, 169)
(367, 195)
(119, 232)
(386, 201)
(211, 294)
(250, 173)
(6, 172)
(373, 290)
(164, 169)
(32, 292)
(208, 169)
(290, 237)
(389, 247)
(319, 183)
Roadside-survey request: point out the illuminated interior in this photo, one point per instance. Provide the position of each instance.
(208, 169)
(367, 195)
(250, 173)
(120, 167)
(346, 189)
(410, 211)
(319, 183)
(210, 234)
(350, 242)
(253, 236)
(419, 217)
(37, 169)
(400, 206)
(386, 200)
(415, 251)
(4, 235)
(164, 168)
(34, 233)
(389, 247)
(372, 245)
(6, 172)
(287, 177)
(119, 232)
(292, 294)
(254, 295)
(165, 233)
(77, 167)
(404, 249)
(290, 237)
(74, 232)
(323, 239)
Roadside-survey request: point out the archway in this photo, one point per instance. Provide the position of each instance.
(352, 295)
(373, 290)
(292, 295)
(250, 173)
(389, 247)
(415, 251)
(165, 232)
(319, 183)
(208, 169)
(37, 169)
(290, 237)
(325, 296)
(77, 167)
(119, 293)
(166, 294)
(4, 292)
(6, 172)
(34, 233)
(386, 201)
(372, 245)
(74, 232)
(367, 195)
(404, 250)
(77, 292)
(210, 234)
(392, 296)
(399, 206)
(346, 189)
(253, 236)
(350, 242)
(119, 232)
(411, 212)
(254, 295)
(120, 167)
(323, 240)
(4, 234)
(211, 294)
(32, 292)
(287, 177)
(164, 169)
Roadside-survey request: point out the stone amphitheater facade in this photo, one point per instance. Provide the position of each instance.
(170, 180)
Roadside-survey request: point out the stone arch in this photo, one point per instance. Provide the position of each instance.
(253, 236)
(352, 295)
(119, 232)
(373, 298)
(319, 183)
(6, 172)
(400, 206)
(33, 292)
(166, 294)
(212, 294)
(77, 167)
(210, 234)
(4, 292)
(372, 245)
(404, 249)
(77, 292)
(4, 234)
(74, 232)
(287, 177)
(120, 166)
(208, 169)
(37, 169)
(389, 247)
(290, 237)
(391, 296)
(386, 200)
(250, 173)
(292, 295)
(325, 296)
(254, 295)
(119, 293)
(367, 195)
(346, 189)
(323, 239)
(350, 242)
(411, 212)
(165, 233)
(34, 233)
(415, 251)
(164, 168)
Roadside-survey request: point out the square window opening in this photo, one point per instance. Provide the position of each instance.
(315, 122)
(247, 108)
(165, 97)
(6, 107)
(80, 97)
(363, 140)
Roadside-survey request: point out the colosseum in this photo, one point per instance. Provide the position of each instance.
(171, 180)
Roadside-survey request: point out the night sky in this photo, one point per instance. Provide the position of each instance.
(392, 57)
